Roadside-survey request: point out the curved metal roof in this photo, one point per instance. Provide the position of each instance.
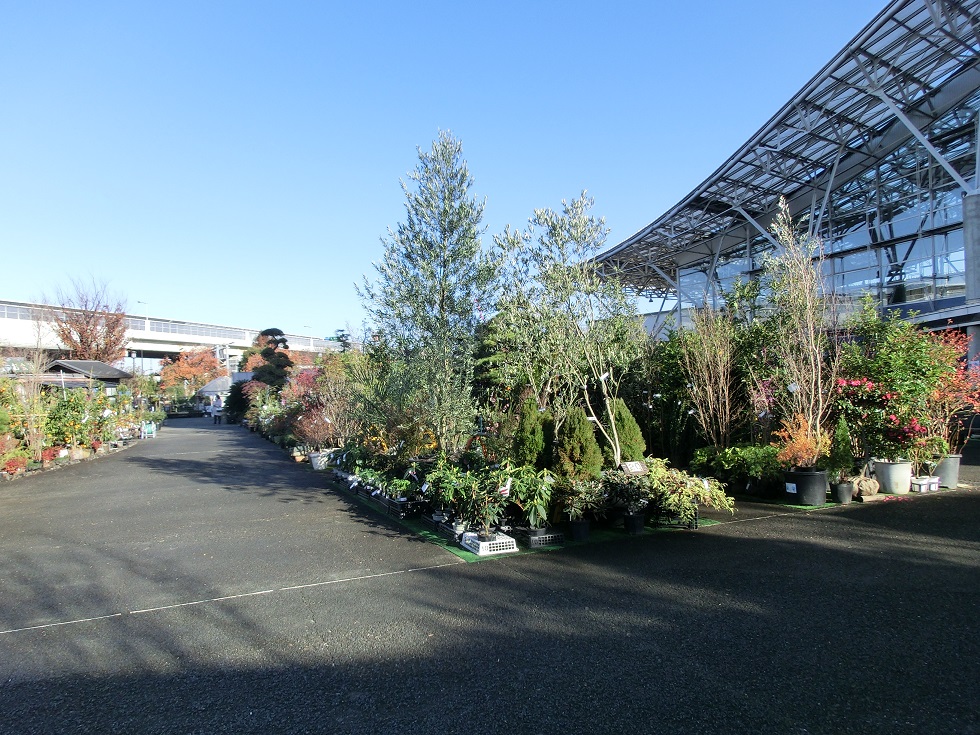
(918, 59)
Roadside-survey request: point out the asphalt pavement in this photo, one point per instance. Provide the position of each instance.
(201, 582)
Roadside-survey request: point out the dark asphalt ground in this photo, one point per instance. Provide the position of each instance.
(201, 583)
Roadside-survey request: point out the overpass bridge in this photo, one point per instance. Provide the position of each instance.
(22, 325)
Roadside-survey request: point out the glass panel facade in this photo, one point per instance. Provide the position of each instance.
(894, 231)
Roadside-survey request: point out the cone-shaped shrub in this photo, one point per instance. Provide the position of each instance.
(631, 443)
(577, 454)
(528, 436)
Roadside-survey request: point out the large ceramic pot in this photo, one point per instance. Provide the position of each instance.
(948, 471)
(894, 477)
(807, 487)
(320, 460)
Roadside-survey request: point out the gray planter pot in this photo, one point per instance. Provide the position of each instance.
(948, 470)
(894, 477)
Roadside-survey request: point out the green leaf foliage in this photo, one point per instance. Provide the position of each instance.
(429, 284)
(577, 453)
(631, 442)
(528, 443)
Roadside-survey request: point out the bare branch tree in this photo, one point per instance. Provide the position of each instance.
(91, 322)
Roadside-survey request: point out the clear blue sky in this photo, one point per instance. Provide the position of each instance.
(238, 162)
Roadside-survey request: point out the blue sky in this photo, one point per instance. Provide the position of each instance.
(238, 162)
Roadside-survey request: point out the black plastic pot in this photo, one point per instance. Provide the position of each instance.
(842, 492)
(806, 487)
(634, 523)
(579, 530)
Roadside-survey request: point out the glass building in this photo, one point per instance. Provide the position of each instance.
(877, 155)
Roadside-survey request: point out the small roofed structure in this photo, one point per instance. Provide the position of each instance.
(217, 387)
(81, 373)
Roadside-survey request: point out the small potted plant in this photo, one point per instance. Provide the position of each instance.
(485, 500)
(531, 493)
(840, 463)
(632, 494)
(677, 495)
(578, 498)
(924, 455)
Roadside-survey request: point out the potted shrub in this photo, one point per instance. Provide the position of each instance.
(485, 500)
(577, 499)
(443, 489)
(632, 494)
(801, 448)
(313, 429)
(804, 356)
(924, 455)
(679, 495)
(752, 468)
(531, 492)
(840, 463)
(949, 408)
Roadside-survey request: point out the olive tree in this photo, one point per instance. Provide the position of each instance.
(571, 331)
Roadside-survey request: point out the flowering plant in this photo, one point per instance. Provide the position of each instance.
(949, 407)
(882, 420)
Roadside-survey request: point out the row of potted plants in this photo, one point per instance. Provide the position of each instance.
(52, 424)
(487, 498)
(828, 389)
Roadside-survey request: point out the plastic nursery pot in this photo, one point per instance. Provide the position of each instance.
(806, 488)
(842, 492)
(634, 523)
(579, 530)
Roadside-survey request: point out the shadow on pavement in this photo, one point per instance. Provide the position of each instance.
(817, 623)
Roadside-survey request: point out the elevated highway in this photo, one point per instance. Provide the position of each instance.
(22, 325)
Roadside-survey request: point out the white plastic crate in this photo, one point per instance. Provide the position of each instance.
(502, 544)
(925, 484)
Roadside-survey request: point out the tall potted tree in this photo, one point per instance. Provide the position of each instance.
(805, 359)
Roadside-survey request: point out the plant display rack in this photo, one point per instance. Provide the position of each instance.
(502, 544)
(443, 529)
(665, 520)
(554, 537)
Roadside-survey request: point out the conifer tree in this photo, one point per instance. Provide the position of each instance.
(429, 285)
(528, 436)
(577, 454)
(632, 445)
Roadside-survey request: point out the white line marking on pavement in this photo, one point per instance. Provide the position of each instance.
(369, 576)
(199, 602)
(230, 597)
(54, 625)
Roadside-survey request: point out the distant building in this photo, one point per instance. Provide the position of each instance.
(22, 325)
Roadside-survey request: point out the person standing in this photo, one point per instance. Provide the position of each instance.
(216, 408)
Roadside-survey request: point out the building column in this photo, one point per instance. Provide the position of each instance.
(971, 246)
(973, 351)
